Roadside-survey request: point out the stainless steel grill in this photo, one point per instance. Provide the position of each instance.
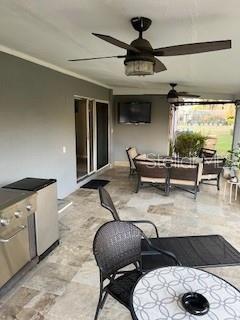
(17, 239)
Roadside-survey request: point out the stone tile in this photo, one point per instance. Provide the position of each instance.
(52, 278)
(230, 274)
(65, 285)
(16, 302)
(69, 255)
(163, 209)
(79, 302)
(88, 274)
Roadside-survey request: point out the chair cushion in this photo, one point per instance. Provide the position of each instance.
(182, 182)
(121, 288)
(209, 176)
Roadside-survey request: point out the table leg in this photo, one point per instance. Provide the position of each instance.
(230, 196)
(225, 189)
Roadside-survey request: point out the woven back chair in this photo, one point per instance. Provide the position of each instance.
(185, 176)
(131, 154)
(117, 245)
(107, 203)
(207, 153)
(212, 168)
(153, 172)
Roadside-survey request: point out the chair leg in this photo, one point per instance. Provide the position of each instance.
(99, 306)
(138, 184)
(167, 189)
(101, 299)
(130, 172)
(195, 192)
(104, 300)
(218, 182)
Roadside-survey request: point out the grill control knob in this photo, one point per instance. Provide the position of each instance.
(18, 214)
(4, 222)
(29, 207)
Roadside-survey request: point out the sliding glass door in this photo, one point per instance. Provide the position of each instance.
(102, 134)
(91, 129)
(81, 137)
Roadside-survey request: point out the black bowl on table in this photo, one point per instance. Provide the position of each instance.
(195, 303)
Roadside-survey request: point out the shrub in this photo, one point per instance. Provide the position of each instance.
(189, 144)
(230, 121)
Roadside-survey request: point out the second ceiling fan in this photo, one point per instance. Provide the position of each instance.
(175, 96)
(140, 58)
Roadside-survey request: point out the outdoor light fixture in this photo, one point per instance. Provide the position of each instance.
(172, 96)
(139, 68)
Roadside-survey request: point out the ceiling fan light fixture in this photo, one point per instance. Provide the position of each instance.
(172, 96)
(139, 68)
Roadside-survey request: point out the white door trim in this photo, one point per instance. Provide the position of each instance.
(95, 170)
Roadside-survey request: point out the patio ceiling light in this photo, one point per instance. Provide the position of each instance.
(139, 68)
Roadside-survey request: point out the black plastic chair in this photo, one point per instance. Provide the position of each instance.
(107, 203)
(116, 245)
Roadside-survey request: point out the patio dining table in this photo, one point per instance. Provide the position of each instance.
(158, 295)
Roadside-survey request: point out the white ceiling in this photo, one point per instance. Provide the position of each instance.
(57, 30)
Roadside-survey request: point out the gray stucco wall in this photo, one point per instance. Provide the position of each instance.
(153, 137)
(37, 120)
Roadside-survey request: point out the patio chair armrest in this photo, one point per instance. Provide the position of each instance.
(161, 251)
(145, 222)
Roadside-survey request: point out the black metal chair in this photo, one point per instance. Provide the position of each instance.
(117, 244)
(107, 203)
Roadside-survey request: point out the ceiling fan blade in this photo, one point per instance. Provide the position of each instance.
(186, 94)
(159, 66)
(193, 48)
(86, 59)
(116, 42)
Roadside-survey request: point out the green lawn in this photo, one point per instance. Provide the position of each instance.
(223, 134)
(224, 143)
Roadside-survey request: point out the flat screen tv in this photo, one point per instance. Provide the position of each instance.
(134, 112)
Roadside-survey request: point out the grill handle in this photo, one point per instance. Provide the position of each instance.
(21, 228)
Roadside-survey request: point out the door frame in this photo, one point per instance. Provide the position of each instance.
(88, 99)
(109, 133)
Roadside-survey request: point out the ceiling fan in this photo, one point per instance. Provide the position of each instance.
(175, 96)
(140, 58)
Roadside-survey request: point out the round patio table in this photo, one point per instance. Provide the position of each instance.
(157, 295)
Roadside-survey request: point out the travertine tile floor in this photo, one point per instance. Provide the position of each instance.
(65, 285)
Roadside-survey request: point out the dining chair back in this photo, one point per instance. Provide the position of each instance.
(107, 203)
(207, 153)
(131, 154)
(117, 244)
(185, 175)
(212, 168)
(153, 172)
